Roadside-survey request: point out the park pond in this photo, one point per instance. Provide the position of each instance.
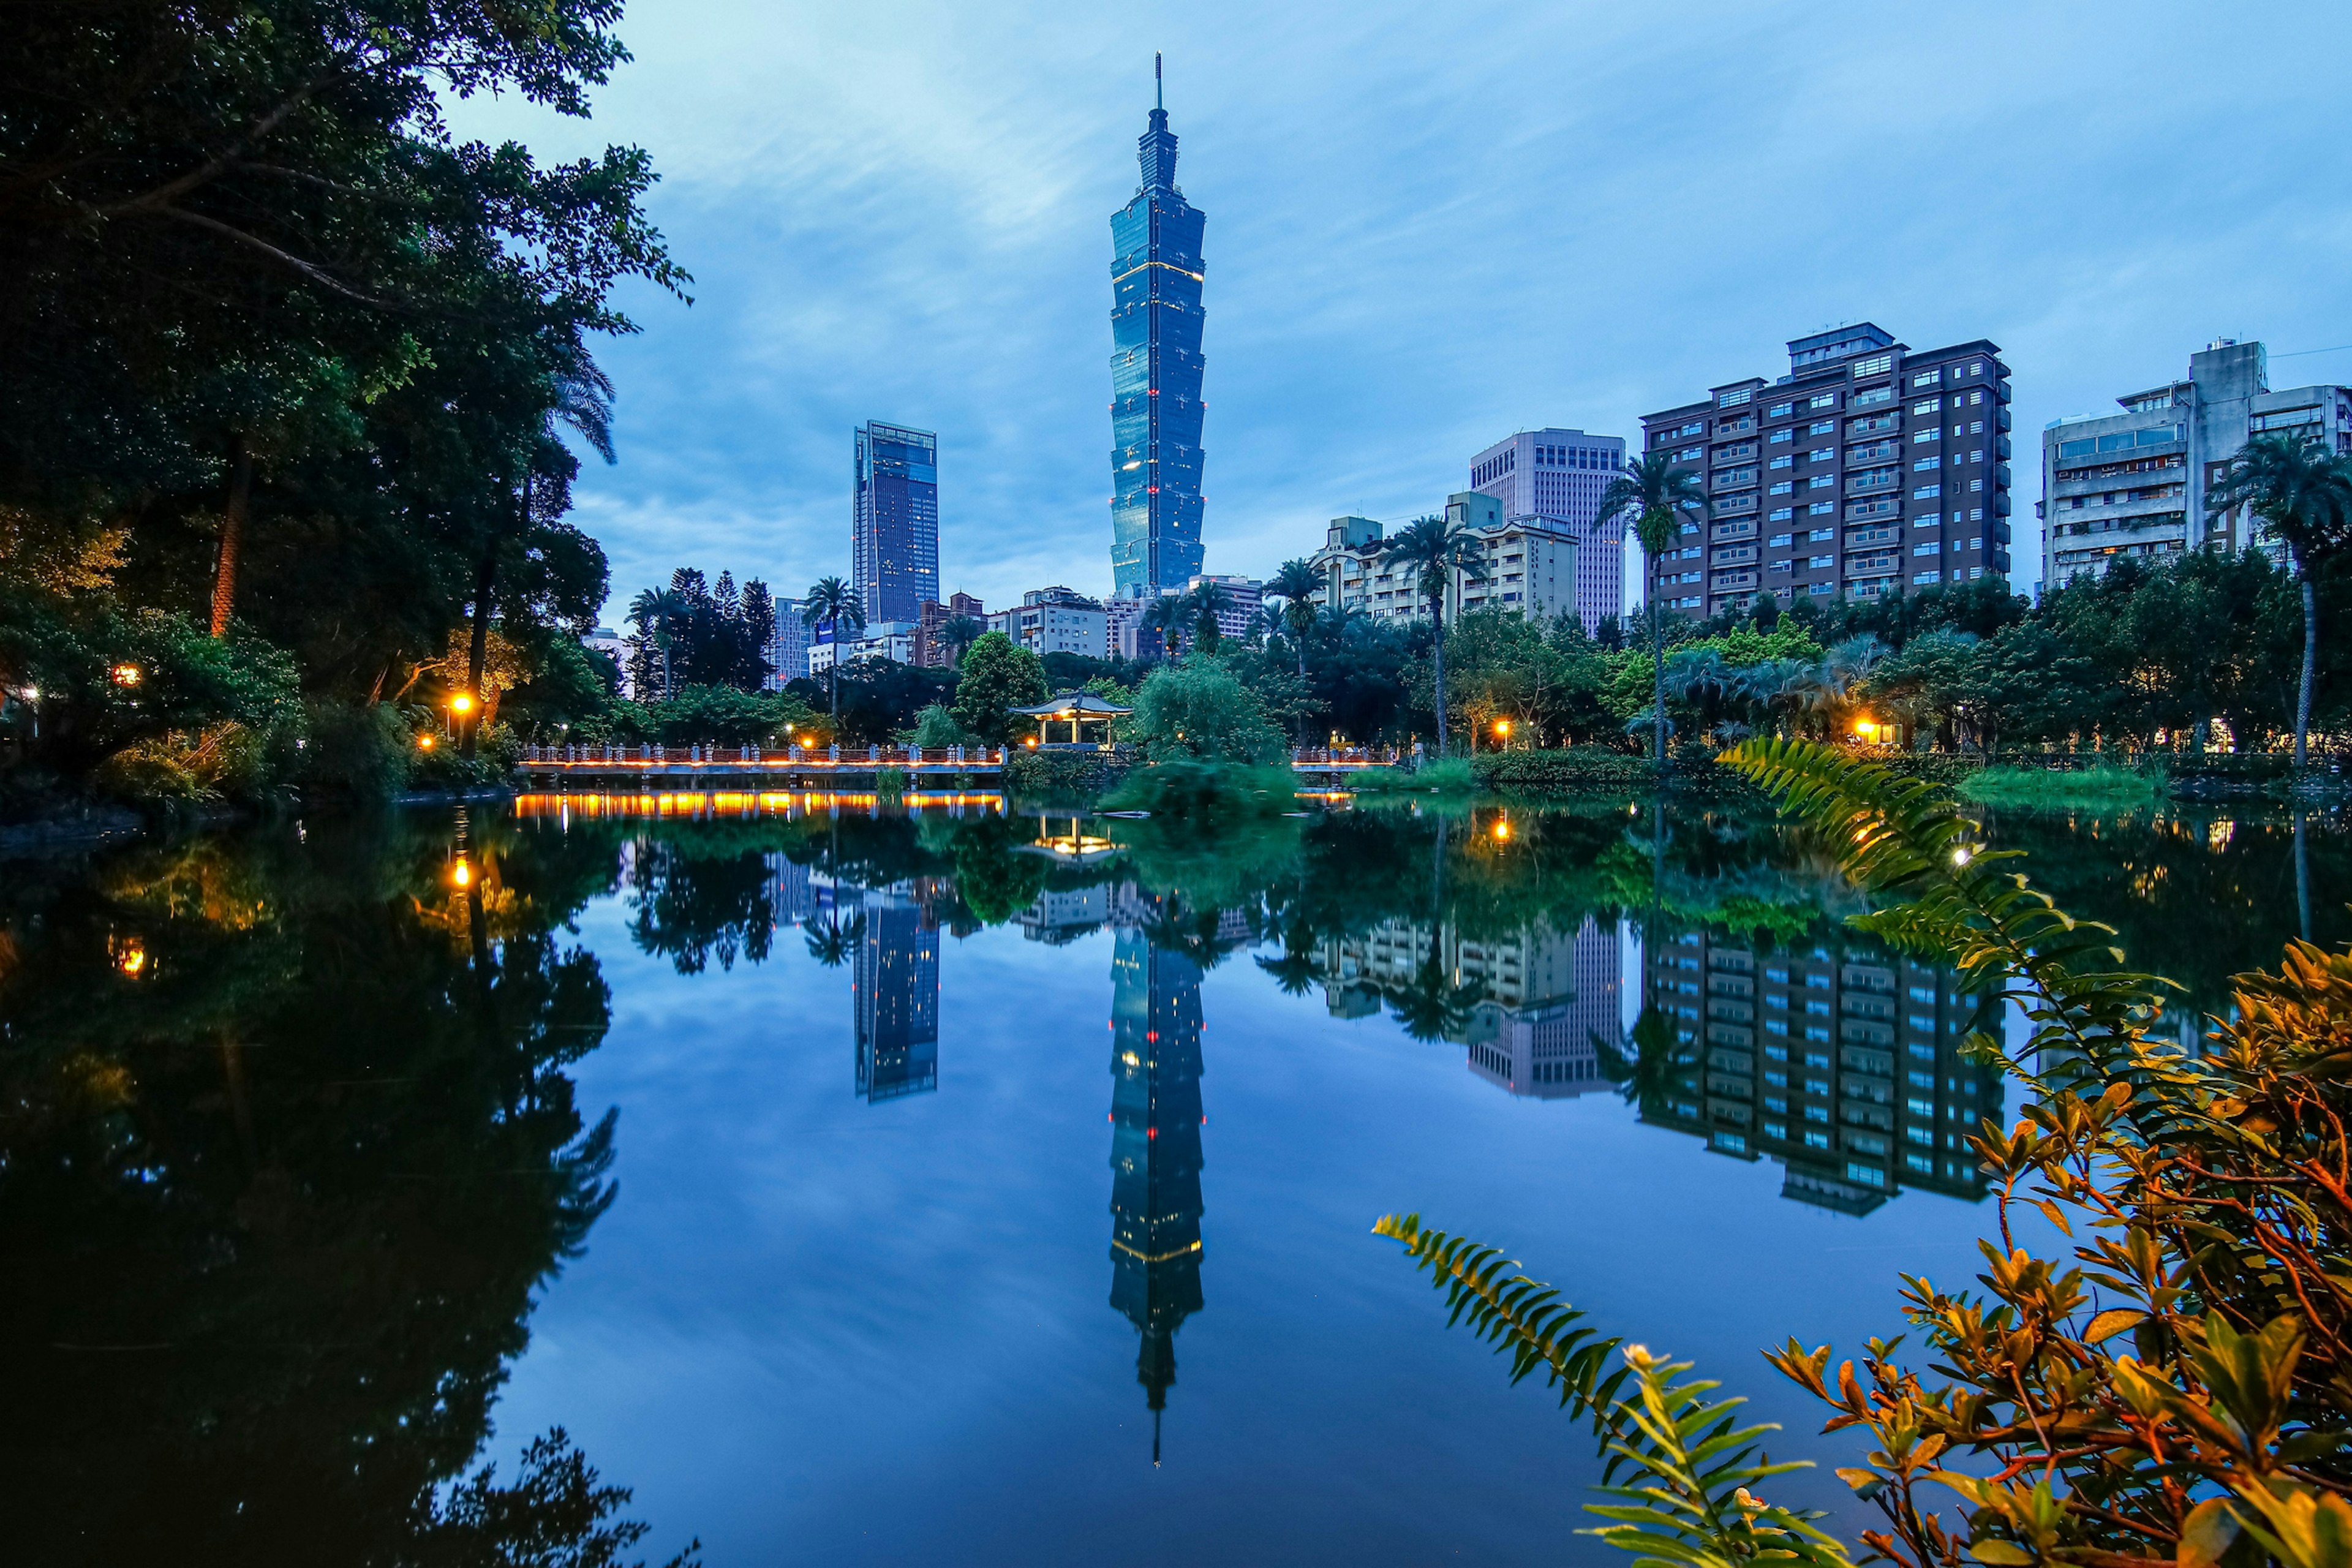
(936, 1182)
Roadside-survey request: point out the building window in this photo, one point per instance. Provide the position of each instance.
(1928, 378)
(1924, 464)
(1874, 365)
(1820, 562)
(1780, 540)
(1927, 406)
(1820, 534)
(1822, 427)
(1780, 462)
(1783, 487)
(1782, 514)
(1927, 492)
(1822, 482)
(1821, 508)
(1822, 588)
(1826, 400)
(1778, 411)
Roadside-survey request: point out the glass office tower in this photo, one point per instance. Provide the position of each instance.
(1155, 376)
(898, 998)
(894, 543)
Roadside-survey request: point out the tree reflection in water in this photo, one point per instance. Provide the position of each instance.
(287, 1145)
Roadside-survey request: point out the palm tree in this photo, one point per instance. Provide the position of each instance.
(1166, 615)
(1435, 550)
(832, 942)
(654, 611)
(1701, 677)
(959, 634)
(1657, 493)
(1781, 686)
(2303, 493)
(830, 603)
(1297, 584)
(1205, 603)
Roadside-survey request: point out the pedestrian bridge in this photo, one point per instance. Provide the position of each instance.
(691, 766)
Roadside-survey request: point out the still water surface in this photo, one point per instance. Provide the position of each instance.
(942, 1184)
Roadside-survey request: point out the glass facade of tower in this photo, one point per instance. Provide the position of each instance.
(1155, 376)
(894, 544)
(898, 998)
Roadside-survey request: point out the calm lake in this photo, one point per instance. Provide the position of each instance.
(941, 1184)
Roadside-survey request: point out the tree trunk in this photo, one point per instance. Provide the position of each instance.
(477, 655)
(2302, 877)
(231, 535)
(1658, 686)
(2310, 663)
(1437, 668)
(833, 672)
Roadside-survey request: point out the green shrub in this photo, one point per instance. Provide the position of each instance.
(891, 784)
(1576, 770)
(1196, 710)
(935, 727)
(996, 676)
(1448, 775)
(2176, 1392)
(1204, 791)
(358, 752)
(2051, 787)
(1059, 774)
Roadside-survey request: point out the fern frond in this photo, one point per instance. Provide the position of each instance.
(1522, 1316)
(1957, 902)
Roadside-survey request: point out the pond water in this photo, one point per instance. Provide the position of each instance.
(938, 1183)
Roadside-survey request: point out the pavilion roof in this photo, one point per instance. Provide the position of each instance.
(1083, 704)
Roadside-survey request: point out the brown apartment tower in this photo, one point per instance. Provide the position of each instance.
(1867, 470)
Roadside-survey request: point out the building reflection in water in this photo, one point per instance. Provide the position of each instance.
(897, 995)
(1834, 1057)
(1155, 1158)
(1535, 1007)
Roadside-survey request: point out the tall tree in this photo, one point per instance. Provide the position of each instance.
(1435, 550)
(832, 603)
(760, 623)
(960, 633)
(655, 612)
(2303, 493)
(1656, 493)
(1205, 604)
(1297, 584)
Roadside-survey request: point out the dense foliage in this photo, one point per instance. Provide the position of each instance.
(283, 358)
(2174, 1393)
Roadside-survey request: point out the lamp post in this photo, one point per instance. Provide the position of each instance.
(1503, 734)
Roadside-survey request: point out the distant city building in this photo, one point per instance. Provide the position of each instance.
(2134, 484)
(1244, 598)
(1539, 1004)
(893, 640)
(1056, 620)
(615, 647)
(1867, 470)
(1529, 566)
(897, 1002)
(1155, 375)
(1056, 918)
(1124, 632)
(1840, 1060)
(894, 544)
(928, 649)
(788, 647)
(1558, 476)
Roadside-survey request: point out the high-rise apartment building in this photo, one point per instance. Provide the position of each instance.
(894, 542)
(2134, 483)
(1155, 376)
(1238, 611)
(1558, 477)
(1838, 1060)
(1867, 470)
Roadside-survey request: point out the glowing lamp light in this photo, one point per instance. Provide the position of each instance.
(1961, 856)
(423, 743)
(131, 959)
(462, 703)
(1502, 830)
(462, 874)
(126, 674)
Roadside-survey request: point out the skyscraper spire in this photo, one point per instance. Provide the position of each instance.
(1159, 100)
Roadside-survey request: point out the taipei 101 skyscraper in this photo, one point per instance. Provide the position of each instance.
(1155, 374)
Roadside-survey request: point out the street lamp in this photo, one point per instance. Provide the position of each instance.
(461, 874)
(1503, 733)
(126, 674)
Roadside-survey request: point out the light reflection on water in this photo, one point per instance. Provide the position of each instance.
(877, 1285)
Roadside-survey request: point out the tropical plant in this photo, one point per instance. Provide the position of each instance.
(1297, 584)
(958, 634)
(655, 612)
(834, 941)
(1197, 710)
(1434, 550)
(2302, 490)
(833, 604)
(1656, 493)
(1203, 603)
(2210, 1220)
(1167, 616)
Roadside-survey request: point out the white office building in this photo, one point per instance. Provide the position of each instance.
(1557, 477)
(1529, 566)
(1056, 620)
(2133, 484)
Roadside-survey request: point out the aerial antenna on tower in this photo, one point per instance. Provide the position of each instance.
(1158, 100)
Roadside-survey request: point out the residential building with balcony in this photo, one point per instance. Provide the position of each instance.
(1056, 620)
(1558, 477)
(2133, 484)
(1839, 1060)
(1529, 565)
(1869, 469)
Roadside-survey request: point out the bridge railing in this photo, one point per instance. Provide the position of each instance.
(1348, 756)
(770, 756)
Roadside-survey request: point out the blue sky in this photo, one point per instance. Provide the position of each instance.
(1428, 225)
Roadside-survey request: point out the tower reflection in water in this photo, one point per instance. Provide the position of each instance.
(898, 996)
(1155, 1158)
